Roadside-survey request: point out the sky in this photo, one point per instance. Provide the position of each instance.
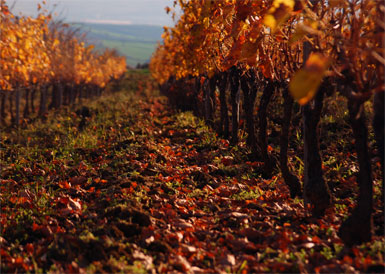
(139, 12)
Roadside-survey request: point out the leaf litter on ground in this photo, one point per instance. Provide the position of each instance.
(144, 188)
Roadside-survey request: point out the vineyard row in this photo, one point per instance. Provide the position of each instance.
(302, 51)
(50, 58)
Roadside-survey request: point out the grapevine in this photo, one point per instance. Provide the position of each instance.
(39, 54)
(302, 50)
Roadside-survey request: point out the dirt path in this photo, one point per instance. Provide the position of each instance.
(140, 188)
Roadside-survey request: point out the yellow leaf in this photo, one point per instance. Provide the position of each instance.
(305, 82)
(278, 13)
(27, 45)
(288, 3)
(12, 37)
(270, 21)
(56, 42)
(206, 22)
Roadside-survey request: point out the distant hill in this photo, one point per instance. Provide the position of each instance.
(136, 42)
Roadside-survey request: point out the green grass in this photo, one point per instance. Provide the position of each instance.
(118, 36)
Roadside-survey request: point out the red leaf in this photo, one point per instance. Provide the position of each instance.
(202, 80)
(347, 259)
(316, 240)
(35, 226)
(356, 251)
(29, 247)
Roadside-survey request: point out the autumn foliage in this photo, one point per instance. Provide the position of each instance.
(36, 53)
(269, 36)
(267, 156)
(304, 50)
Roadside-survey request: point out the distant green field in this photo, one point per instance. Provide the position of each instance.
(135, 52)
(136, 42)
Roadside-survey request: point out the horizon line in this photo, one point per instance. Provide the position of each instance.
(113, 22)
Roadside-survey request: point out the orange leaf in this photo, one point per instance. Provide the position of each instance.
(19, 260)
(64, 185)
